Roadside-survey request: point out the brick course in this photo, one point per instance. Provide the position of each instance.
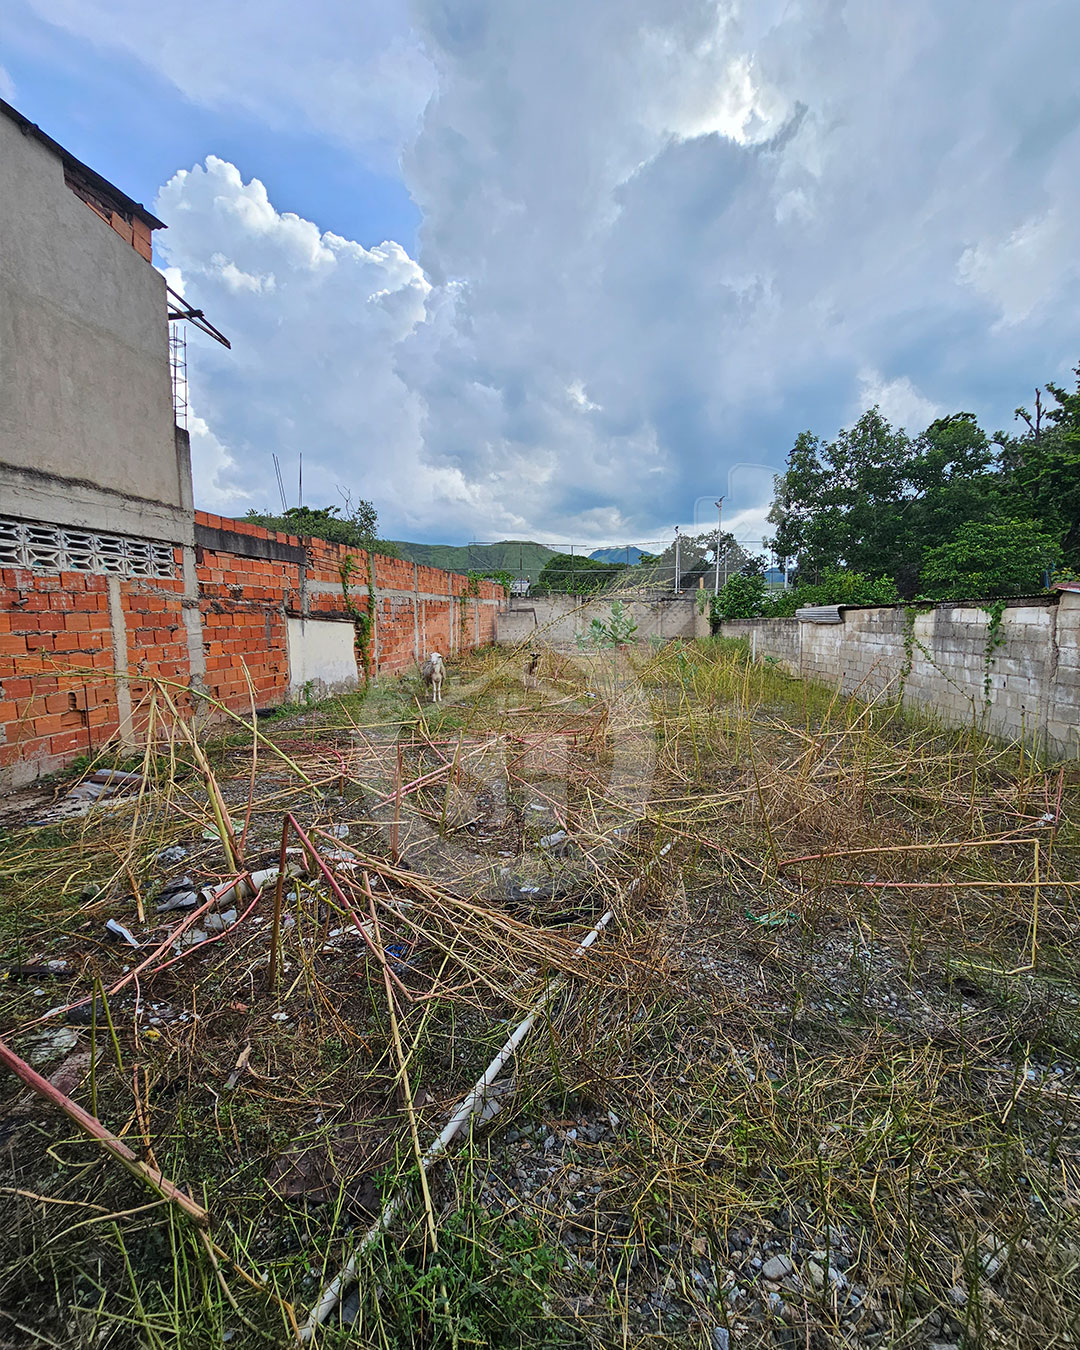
(62, 687)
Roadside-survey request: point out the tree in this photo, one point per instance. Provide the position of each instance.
(875, 499)
(697, 557)
(840, 503)
(741, 597)
(357, 529)
(571, 574)
(953, 477)
(990, 558)
(1042, 468)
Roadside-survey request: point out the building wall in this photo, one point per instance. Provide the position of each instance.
(1034, 673)
(86, 423)
(80, 651)
(112, 587)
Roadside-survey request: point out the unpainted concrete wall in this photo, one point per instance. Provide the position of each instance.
(85, 395)
(560, 619)
(1034, 673)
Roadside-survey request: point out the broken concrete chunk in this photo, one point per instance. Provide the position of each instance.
(49, 1044)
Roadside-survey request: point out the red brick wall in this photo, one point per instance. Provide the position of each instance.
(245, 602)
(54, 647)
(59, 692)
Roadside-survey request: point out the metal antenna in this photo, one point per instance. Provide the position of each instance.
(280, 484)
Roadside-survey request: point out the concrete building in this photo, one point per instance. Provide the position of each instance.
(114, 591)
(87, 439)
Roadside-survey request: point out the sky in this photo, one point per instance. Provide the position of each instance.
(570, 271)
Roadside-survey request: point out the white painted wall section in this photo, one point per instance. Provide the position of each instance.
(323, 652)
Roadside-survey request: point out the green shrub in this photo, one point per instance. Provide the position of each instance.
(1004, 557)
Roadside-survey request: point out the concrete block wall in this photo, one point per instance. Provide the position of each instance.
(560, 619)
(78, 651)
(1034, 672)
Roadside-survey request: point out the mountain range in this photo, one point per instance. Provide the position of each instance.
(523, 557)
(520, 556)
(630, 553)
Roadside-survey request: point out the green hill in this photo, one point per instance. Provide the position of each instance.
(630, 555)
(521, 557)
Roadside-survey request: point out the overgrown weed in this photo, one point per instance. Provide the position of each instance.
(834, 1026)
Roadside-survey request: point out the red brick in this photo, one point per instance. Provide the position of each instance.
(68, 742)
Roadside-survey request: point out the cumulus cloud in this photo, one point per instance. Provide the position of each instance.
(659, 238)
(900, 402)
(315, 321)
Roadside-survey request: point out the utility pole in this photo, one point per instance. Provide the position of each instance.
(678, 567)
(716, 579)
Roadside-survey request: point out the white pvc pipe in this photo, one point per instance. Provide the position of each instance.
(331, 1295)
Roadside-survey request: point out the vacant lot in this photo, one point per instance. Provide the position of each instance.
(813, 1083)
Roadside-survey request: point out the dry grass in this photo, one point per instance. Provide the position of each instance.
(835, 1020)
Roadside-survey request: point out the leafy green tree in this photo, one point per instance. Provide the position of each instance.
(840, 503)
(357, 529)
(570, 574)
(1042, 467)
(952, 477)
(875, 499)
(990, 558)
(502, 576)
(741, 597)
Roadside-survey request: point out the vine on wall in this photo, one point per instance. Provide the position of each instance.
(911, 613)
(995, 638)
(361, 619)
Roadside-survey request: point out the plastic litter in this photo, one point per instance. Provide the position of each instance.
(398, 953)
(773, 918)
(52, 1043)
(217, 923)
(118, 930)
(179, 900)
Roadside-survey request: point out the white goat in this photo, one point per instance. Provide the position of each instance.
(433, 671)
